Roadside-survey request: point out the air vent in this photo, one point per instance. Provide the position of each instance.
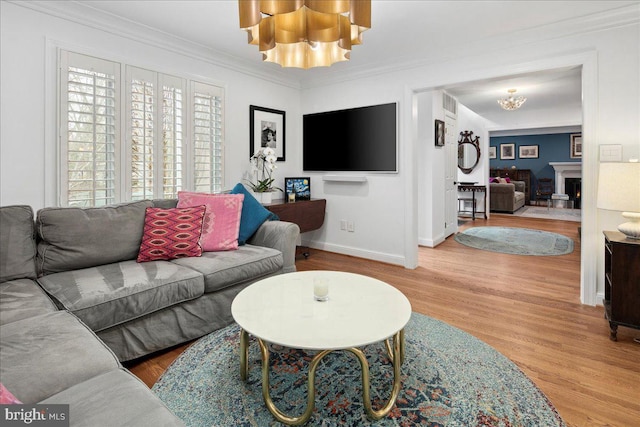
(449, 103)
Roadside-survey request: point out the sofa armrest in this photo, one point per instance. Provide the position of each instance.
(280, 235)
(520, 186)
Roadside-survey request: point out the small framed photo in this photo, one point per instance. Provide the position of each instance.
(438, 133)
(296, 189)
(492, 153)
(528, 151)
(267, 129)
(576, 145)
(507, 151)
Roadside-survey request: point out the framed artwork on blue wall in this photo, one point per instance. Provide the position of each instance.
(492, 153)
(507, 151)
(576, 145)
(528, 151)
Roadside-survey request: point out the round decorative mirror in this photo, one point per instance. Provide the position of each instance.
(468, 151)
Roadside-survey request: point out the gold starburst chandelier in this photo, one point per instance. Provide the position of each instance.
(512, 103)
(305, 33)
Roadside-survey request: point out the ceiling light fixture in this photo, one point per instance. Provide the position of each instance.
(511, 103)
(305, 33)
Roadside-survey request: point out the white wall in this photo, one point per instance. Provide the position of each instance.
(468, 120)
(431, 170)
(375, 207)
(28, 166)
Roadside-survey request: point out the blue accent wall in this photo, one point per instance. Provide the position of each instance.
(551, 148)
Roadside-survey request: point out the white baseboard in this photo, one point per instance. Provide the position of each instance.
(356, 252)
(600, 298)
(431, 243)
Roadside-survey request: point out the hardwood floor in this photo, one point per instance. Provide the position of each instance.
(526, 307)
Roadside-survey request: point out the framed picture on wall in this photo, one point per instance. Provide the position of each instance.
(267, 129)
(507, 151)
(439, 133)
(528, 151)
(576, 145)
(492, 153)
(297, 189)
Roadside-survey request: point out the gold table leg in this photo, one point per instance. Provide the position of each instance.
(244, 354)
(396, 353)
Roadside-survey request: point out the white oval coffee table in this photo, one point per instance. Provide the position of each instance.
(360, 311)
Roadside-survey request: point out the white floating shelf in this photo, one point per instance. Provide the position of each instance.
(345, 178)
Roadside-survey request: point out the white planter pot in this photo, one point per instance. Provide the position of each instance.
(264, 198)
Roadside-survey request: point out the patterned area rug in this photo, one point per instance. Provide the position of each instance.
(449, 378)
(515, 241)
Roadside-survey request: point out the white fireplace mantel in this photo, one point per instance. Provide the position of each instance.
(565, 170)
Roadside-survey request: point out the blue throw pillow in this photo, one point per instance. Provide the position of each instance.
(253, 214)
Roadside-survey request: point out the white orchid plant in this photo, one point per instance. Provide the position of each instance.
(263, 163)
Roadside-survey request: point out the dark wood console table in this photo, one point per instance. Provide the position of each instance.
(474, 189)
(308, 214)
(621, 281)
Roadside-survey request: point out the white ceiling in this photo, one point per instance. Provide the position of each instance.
(403, 32)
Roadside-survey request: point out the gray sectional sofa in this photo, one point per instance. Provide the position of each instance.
(74, 304)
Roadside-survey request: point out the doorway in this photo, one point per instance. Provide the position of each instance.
(589, 87)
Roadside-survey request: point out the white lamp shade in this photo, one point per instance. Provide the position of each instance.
(619, 187)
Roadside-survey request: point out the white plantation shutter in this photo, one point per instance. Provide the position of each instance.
(141, 131)
(154, 154)
(207, 135)
(89, 130)
(173, 143)
(156, 134)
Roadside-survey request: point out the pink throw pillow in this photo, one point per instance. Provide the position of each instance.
(6, 398)
(221, 220)
(171, 233)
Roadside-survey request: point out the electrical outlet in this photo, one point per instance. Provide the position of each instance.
(343, 224)
(351, 227)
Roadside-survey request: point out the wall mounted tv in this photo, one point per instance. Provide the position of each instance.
(363, 139)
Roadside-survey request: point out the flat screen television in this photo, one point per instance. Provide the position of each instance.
(363, 139)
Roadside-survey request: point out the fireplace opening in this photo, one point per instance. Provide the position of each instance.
(573, 187)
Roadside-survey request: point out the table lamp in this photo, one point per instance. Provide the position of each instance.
(619, 190)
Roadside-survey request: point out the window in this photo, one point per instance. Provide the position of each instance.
(207, 137)
(147, 135)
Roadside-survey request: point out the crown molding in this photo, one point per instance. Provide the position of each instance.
(84, 14)
(603, 21)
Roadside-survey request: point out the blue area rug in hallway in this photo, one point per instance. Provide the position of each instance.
(515, 241)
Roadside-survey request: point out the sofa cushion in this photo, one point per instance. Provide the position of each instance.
(46, 354)
(221, 225)
(111, 294)
(74, 238)
(253, 214)
(224, 269)
(115, 398)
(21, 299)
(171, 233)
(17, 243)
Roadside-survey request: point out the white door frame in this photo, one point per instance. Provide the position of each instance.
(590, 239)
